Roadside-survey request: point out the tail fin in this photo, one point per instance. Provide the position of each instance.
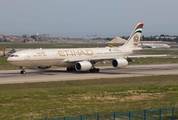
(134, 39)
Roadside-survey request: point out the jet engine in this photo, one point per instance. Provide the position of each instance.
(120, 63)
(83, 66)
(43, 67)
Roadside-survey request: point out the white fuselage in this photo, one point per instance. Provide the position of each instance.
(155, 45)
(60, 57)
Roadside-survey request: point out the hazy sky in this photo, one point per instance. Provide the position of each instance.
(77, 18)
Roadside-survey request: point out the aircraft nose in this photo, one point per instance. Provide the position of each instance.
(9, 59)
(12, 60)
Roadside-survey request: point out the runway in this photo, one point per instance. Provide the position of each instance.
(60, 74)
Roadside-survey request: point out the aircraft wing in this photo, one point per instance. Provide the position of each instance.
(102, 58)
(144, 56)
(93, 58)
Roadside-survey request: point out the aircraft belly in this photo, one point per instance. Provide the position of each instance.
(67, 64)
(52, 62)
(34, 63)
(18, 63)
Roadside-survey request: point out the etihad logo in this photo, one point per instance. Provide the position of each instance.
(136, 40)
(75, 52)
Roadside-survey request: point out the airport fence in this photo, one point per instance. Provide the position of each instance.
(160, 114)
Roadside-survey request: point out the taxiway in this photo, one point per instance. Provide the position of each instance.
(60, 74)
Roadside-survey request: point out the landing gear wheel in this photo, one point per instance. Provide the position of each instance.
(22, 72)
(94, 70)
(70, 69)
(97, 70)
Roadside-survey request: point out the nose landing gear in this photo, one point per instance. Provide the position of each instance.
(22, 70)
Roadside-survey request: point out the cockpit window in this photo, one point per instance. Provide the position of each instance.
(14, 56)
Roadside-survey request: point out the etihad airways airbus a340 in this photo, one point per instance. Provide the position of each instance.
(80, 59)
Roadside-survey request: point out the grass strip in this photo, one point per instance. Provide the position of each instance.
(87, 97)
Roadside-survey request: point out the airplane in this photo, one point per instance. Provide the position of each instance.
(80, 59)
(148, 45)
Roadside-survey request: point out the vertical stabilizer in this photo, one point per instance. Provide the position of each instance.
(134, 39)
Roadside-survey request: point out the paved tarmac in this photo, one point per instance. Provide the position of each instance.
(60, 74)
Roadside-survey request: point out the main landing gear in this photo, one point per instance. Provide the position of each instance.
(71, 69)
(92, 70)
(22, 70)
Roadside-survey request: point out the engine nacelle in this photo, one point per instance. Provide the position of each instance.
(83, 66)
(120, 63)
(43, 67)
